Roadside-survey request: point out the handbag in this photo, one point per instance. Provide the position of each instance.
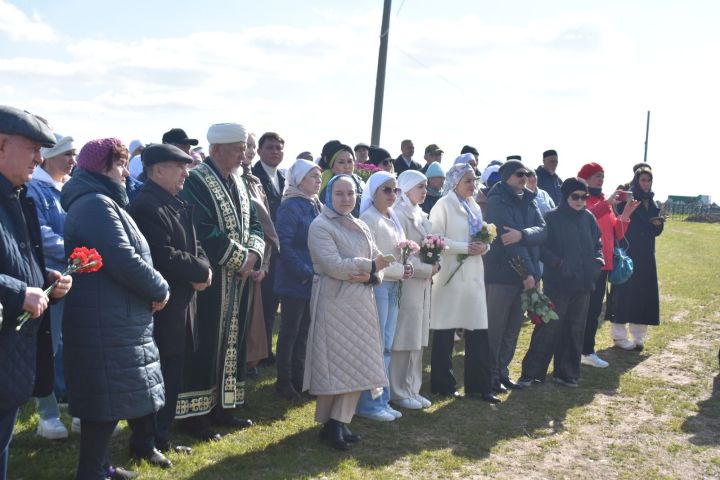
(622, 265)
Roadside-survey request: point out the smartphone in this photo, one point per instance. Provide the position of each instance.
(625, 196)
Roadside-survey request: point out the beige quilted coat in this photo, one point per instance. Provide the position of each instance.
(343, 350)
(413, 321)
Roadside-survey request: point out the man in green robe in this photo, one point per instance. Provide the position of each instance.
(232, 237)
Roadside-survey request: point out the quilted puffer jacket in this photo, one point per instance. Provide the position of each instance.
(112, 365)
(344, 353)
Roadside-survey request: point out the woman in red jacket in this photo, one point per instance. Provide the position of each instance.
(612, 229)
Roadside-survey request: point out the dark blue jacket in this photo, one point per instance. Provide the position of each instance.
(506, 209)
(52, 220)
(550, 182)
(26, 366)
(294, 267)
(572, 253)
(112, 365)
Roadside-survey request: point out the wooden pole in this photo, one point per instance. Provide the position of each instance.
(380, 80)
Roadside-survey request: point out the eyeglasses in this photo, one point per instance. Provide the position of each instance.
(389, 190)
(522, 174)
(578, 196)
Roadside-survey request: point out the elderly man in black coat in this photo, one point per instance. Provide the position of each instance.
(521, 231)
(26, 359)
(166, 222)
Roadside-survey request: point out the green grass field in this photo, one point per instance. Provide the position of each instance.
(654, 414)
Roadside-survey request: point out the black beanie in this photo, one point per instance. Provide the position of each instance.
(510, 167)
(376, 155)
(571, 185)
(330, 149)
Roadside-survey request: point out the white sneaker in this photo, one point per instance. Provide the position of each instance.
(380, 416)
(52, 429)
(594, 361)
(624, 344)
(75, 427)
(393, 412)
(409, 403)
(423, 401)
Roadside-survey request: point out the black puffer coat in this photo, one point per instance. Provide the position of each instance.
(112, 365)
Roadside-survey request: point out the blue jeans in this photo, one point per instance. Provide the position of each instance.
(386, 299)
(48, 406)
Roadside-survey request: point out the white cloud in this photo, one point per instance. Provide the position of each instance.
(18, 26)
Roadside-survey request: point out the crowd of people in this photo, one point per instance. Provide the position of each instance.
(200, 251)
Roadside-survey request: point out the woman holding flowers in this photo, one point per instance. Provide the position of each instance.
(459, 302)
(573, 257)
(112, 365)
(377, 213)
(344, 354)
(413, 322)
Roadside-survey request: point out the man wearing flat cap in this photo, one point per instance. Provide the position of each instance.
(166, 221)
(231, 235)
(521, 230)
(433, 154)
(26, 359)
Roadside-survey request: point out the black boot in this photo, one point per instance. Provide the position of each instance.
(349, 436)
(332, 433)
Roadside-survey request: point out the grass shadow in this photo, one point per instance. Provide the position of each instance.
(705, 425)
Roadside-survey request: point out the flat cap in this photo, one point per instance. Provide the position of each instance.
(14, 121)
(157, 152)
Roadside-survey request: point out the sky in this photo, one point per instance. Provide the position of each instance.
(511, 77)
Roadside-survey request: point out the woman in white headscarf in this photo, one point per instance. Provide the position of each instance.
(413, 322)
(293, 280)
(376, 211)
(459, 302)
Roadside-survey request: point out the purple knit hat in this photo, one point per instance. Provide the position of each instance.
(94, 154)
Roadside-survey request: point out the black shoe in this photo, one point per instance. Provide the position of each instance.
(456, 395)
(119, 473)
(171, 447)
(287, 391)
(566, 382)
(332, 433)
(349, 436)
(485, 397)
(498, 387)
(507, 383)
(153, 457)
(199, 428)
(221, 417)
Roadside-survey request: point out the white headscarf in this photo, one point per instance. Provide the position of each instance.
(62, 145)
(295, 175)
(368, 195)
(408, 180)
(489, 171)
(464, 158)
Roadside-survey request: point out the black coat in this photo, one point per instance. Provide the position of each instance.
(166, 222)
(572, 252)
(550, 182)
(401, 166)
(273, 196)
(26, 360)
(638, 299)
(112, 365)
(506, 208)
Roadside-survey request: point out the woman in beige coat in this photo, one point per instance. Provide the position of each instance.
(460, 302)
(413, 322)
(344, 354)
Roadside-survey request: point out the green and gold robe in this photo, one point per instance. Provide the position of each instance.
(228, 230)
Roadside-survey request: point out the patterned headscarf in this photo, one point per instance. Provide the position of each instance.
(454, 175)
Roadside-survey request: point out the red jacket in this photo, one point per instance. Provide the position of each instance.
(611, 227)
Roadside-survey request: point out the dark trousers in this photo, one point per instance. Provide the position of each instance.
(477, 362)
(270, 300)
(561, 339)
(505, 317)
(596, 300)
(292, 340)
(7, 423)
(153, 430)
(94, 444)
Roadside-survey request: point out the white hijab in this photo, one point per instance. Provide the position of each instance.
(368, 195)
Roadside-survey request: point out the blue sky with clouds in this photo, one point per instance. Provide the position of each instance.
(511, 77)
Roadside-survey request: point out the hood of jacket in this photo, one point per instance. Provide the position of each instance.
(84, 182)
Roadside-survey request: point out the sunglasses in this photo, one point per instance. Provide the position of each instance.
(578, 196)
(389, 190)
(386, 162)
(522, 174)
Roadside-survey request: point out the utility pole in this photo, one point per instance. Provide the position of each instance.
(380, 80)
(647, 133)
